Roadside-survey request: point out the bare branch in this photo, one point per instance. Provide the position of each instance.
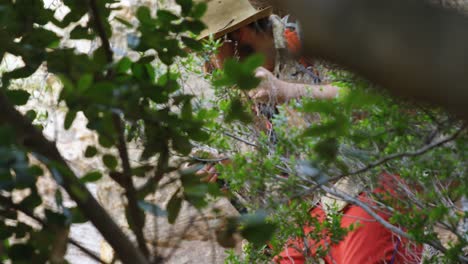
(416, 153)
(136, 215)
(86, 251)
(209, 160)
(240, 139)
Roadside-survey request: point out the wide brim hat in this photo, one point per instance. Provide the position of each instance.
(225, 16)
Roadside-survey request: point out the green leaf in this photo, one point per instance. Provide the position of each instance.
(138, 71)
(237, 111)
(253, 62)
(110, 161)
(105, 142)
(173, 207)
(40, 37)
(91, 177)
(85, 82)
(31, 115)
(240, 73)
(77, 216)
(101, 92)
(144, 15)
(192, 44)
(327, 149)
(196, 27)
(36, 170)
(90, 152)
(166, 16)
(152, 209)
(32, 201)
(186, 6)
(17, 97)
(124, 65)
(69, 118)
(80, 32)
(79, 192)
(181, 144)
(255, 228)
(146, 59)
(142, 171)
(187, 111)
(150, 72)
(199, 10)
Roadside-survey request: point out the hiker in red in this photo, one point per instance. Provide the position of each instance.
(369, 243)
(246, 31)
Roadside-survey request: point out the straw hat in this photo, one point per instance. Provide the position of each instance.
(224, 16)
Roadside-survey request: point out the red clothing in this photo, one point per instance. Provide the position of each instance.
(369, 243)
(294, 44)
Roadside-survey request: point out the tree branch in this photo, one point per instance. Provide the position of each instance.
(416, 153)
(240, 139)
(42, 222)
(135, 214)
(375, 164)
(29, 137)
(101, 30)
(85, 250)
(137, 218)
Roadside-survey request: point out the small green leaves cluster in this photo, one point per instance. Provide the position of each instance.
(343, 136)
(124, 99)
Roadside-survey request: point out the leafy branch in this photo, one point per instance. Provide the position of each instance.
(9, 204)
(29, 137)
(136, 216)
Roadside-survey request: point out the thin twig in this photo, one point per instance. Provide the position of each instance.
(86, 251)
(240, 139)
(209, 160)
(416, 153)
(137, 217)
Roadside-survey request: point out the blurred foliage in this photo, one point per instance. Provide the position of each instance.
(144, 93)
(264, 179)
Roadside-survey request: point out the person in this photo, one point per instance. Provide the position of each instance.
(248, 31)
(286, 76)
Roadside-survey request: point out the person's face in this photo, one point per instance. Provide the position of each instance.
(245, 42)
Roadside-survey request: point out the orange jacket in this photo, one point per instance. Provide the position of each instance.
(369, 243)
